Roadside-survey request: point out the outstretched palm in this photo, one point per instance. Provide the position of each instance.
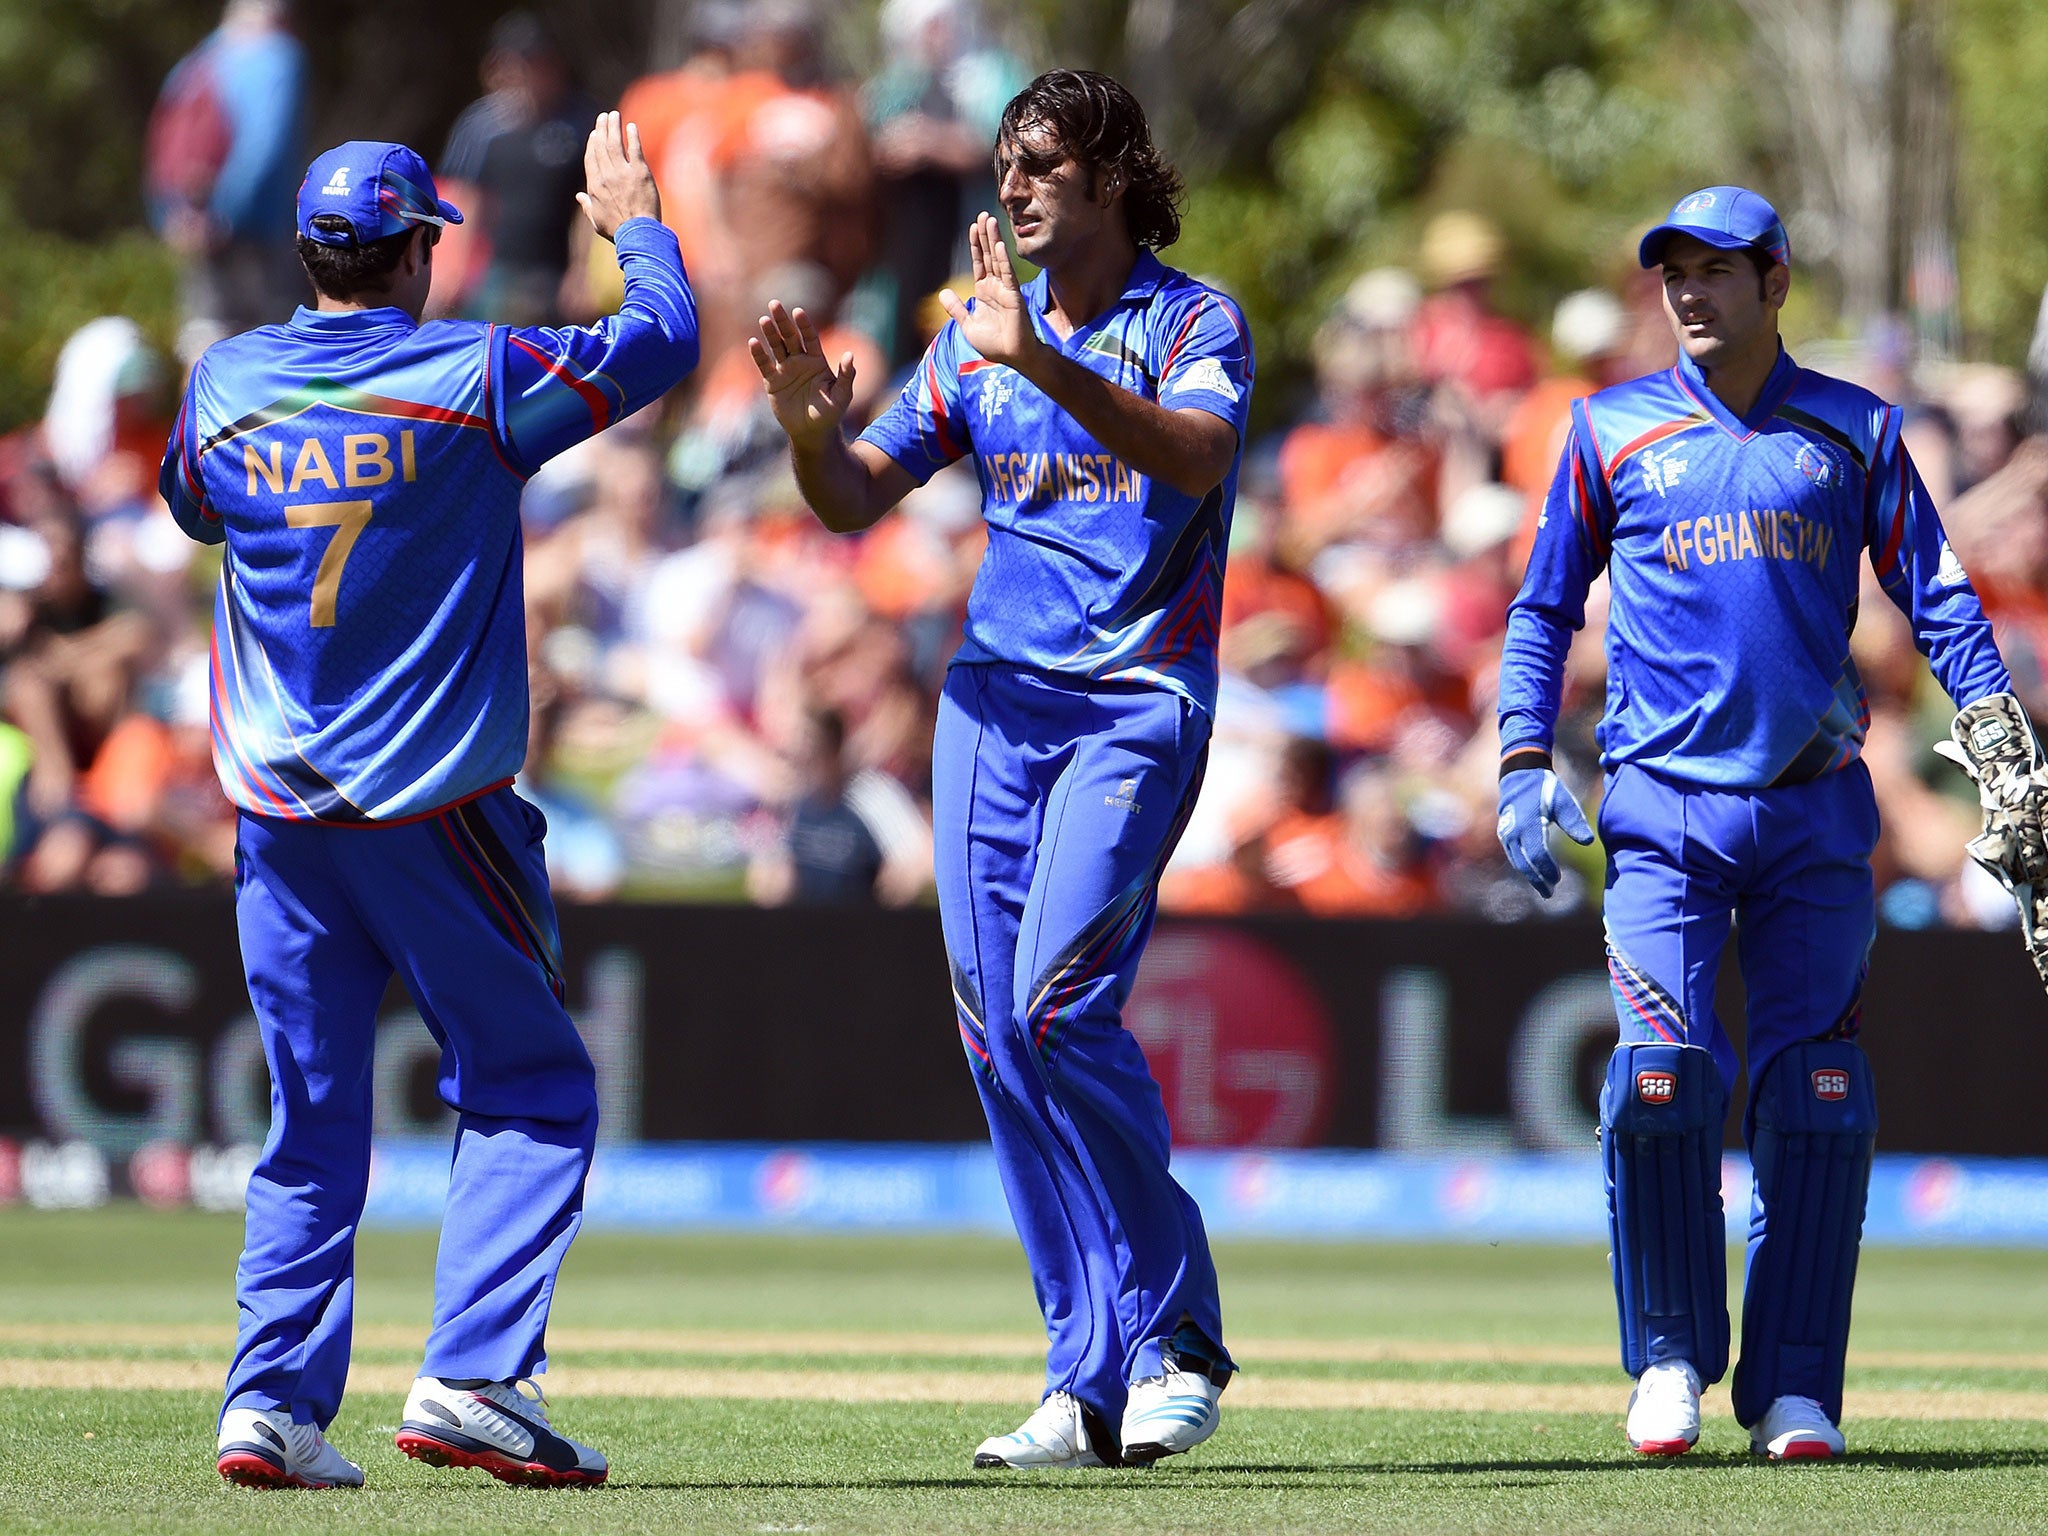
(999, 325)
(809, 398)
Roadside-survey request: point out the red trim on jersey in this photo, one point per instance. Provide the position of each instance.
(940, 418)
(1656, 434)
(1188, 325)
(1586, 512)
(245, 770)
(593, 398)
(439, 810)
(1889, 560)
(490, 429)
(411, 410)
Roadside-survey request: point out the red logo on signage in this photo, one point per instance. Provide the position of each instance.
(1831, 1083)
(1656, 1087)
(1239, 1040)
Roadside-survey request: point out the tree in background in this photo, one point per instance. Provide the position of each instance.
(1319, 136)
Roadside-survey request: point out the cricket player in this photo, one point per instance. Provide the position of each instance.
(1104, 405)
(369, 712)
(1729, 500)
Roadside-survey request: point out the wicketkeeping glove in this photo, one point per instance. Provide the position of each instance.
(1994, 743)
(1531, 799)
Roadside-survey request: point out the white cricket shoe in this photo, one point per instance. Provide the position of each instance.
(1175, 1412)
(265, 1448)
(1664, 1409)
(1056, 1435)
(1796, 1429)
(497, 1427)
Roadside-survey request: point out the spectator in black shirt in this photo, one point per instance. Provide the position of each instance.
(517, 156)
(851, 839)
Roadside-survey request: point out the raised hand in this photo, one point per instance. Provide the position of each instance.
(621, 187)
(999, 326)
(808, 396)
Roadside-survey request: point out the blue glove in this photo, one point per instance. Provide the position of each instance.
(1530, 800)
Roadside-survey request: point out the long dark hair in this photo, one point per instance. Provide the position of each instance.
(1097, 123)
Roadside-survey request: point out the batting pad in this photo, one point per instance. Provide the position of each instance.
(1815, 1114)
(1660, 1140)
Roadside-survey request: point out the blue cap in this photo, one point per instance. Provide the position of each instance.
(380, 189)
(1728, 218)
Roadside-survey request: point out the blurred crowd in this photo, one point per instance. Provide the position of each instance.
(728, 701)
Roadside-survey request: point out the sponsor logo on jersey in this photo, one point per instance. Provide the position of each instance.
(1699, 202)
(995, 394)
(1950, 572)
(1206, 373)
(1819, 465)
(1831, 1084)
(1656, 1087)
(1125, 798)
(1661, 470)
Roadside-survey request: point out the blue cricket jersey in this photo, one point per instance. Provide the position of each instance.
(369, 633)
(1731, 544)
(1092, 569)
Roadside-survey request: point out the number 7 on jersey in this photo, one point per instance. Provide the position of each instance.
(348, 519)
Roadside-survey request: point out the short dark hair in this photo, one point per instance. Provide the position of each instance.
(344, 271)
(1098, 124)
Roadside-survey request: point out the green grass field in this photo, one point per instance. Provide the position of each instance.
(841, 1384)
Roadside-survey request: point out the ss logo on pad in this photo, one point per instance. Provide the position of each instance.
(1831, 1083)
(1656, 1087)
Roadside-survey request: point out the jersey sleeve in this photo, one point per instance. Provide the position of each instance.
(1922, 576)
(1573, 534)
(550, 388)
(1208, 364)
(178, 480)
(925, 428)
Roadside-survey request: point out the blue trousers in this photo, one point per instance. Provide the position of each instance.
(1055, 805)
(1790, 866)
(457, 905)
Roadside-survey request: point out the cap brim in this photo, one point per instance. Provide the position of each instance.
(1651, 251)
(449, 211)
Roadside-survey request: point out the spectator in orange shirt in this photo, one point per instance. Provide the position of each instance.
(1360, 468)
(1377, 867)
(794, 173)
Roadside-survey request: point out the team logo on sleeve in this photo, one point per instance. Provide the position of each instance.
(1831, 1084)
(1661, 470)
(1656, 1087)
(1818, 465)
(1205, 373)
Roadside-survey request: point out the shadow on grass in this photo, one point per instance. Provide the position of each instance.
(1511, 1472)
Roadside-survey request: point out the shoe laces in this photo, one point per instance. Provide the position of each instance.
(1672, 1383)
(1058, 1414)
(1802, 1409)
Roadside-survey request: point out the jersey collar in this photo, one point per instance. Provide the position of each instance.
(1777, 385)
(350, 322)
(1147, 273)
